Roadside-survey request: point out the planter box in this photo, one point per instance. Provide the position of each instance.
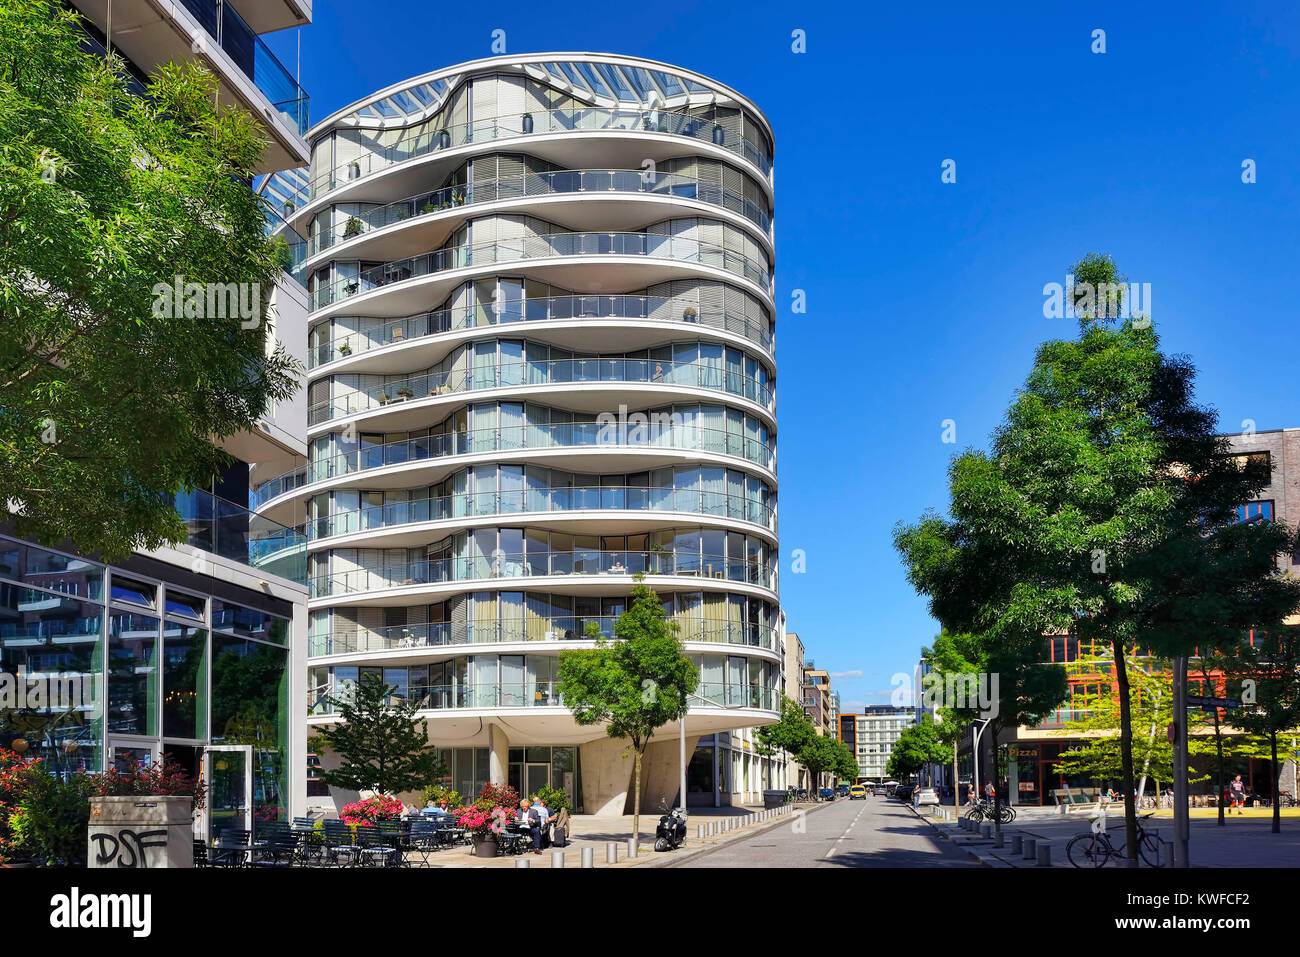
(485, 845)
(140, 832)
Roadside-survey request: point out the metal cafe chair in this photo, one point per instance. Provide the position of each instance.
(233, 848)
(373, 849)
(339, 849)
(424, 840)
(278, 847)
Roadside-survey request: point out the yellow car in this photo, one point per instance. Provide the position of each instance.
(857, 791)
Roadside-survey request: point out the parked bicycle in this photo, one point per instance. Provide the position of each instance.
(1094, 848)
(1286, 799)
(984, 809)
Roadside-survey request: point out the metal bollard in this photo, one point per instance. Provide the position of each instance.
(611, 852)
(588, 857)
(1045, 854)
(631, 847)
(999, 839)
(557, 858)
(699, 831)
(1017, 846)
(1029, 849)
(986, 829)
(523, 862)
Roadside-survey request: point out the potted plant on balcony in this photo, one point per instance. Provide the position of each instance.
(444, 139)
(405, 392)
(458, 196)
(428, 207)
(353, 227)
(354, 169)
(382, 398)
(345, 350)
(289, 207)
(689, 314)
(528, 122)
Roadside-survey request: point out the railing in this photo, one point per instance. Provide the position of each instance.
(650, 245)
(544, 694)
(537, 309)
(579, 498)
(693, 438)
(520, 694)
(581, 120)
(566, 628)
(543, 564)
(223, 528)
(554, 183)
(503, 375)
(224, 24)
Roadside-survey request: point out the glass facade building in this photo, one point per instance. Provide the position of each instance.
(541, 356)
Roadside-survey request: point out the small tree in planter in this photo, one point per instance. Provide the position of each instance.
(353, 227)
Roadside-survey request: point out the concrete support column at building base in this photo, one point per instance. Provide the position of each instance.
(608, 769)
(498, 754)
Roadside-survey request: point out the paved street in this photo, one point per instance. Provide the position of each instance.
(876, 832)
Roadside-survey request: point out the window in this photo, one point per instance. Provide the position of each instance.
(1255, 512)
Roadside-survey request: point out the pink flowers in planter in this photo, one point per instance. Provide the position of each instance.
(478, 820)
(373, 809)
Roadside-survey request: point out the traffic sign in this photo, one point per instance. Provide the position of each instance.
(1210, 704)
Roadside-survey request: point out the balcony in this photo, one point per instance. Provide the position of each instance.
(582, 435)
(592, 564)
(649, 246)
(233, 532)
(579, 120)
(239, 41)
(445, 634)
(542, 501)
(708, 375)
(599, 183)
(540, 309)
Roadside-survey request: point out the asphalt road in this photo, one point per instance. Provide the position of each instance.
(877, 832)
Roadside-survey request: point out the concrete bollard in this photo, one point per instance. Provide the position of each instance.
(588, 857)
(699, 831)
(557, 858)
(523, 862)
(986, 829)
(611, 852)
(1017, 845)
(1045, 854)
(999, 839)
(631, 847)
(1029, 849)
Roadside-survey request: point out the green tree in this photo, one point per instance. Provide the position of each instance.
(634, 684)
(919, 746)
(790, 734)
(846, 764)
(111, 409)
(1272, 662)
(1105, 508)
(381, 745)
(820, 755)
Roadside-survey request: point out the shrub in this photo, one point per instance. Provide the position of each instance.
(366, 813)
(14, 771)
(555, 798)
(497, 795)
(53, 817)
(436, 792)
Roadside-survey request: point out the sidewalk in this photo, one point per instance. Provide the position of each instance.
(1244, 841)
(596, 831)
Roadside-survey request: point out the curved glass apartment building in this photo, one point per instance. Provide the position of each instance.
(541, 360)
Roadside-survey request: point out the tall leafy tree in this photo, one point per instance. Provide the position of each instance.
(789, 734)
(820, 754)
(634, 684)
(108, 407)
(918, 747)
(1105, 507)
(381, 744)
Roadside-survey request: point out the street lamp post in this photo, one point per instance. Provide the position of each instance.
(975, 753)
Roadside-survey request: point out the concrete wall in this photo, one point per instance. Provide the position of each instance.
(607, 771)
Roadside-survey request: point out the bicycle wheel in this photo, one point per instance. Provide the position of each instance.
(1088, 850)
(1149, 849)
(975, 813)
(1007, 814)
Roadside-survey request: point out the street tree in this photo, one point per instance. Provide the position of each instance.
(1269, 667)
(381, 745)
(789, 734)
(820, 755)
(634, 684)
(114, 391)
(1105, 509)
(918, 747)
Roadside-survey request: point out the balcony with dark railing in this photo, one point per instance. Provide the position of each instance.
(233, 532)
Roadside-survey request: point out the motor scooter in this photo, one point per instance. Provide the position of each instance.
(671, 832)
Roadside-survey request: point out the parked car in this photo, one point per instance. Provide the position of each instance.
(842, 790)
(827, 794)
(857, 791)
(904, 792)
(926, 797)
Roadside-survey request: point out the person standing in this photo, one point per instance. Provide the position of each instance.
(1238, 790)
(988, 792)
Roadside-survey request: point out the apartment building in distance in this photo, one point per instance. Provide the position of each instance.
(198, 651)
(872, 736)
(541, 361)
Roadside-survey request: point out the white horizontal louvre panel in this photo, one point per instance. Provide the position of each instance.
(510, 103)
(510, 177)
(485, 101)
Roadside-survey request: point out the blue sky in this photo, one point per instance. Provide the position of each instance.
(924, 298)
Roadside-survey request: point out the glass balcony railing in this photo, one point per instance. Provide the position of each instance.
(254, 59)
(688, 437)
(561, 182)
(426, 324)
(543, 694)
(581, 120)
(697, 375)
(648, 245)
(567, 628)
(545, 564)
(233, 532)
(534, 501)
